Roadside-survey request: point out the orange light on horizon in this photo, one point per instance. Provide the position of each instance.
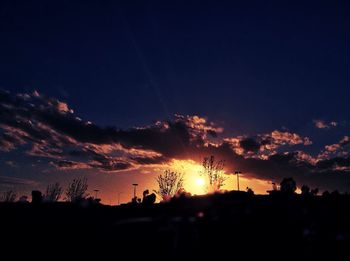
(196, 182)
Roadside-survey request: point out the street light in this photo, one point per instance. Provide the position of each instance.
(135, 185)
(237, 172)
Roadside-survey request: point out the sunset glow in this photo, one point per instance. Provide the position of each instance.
(194, 182)
(175, 128)
(200, 182)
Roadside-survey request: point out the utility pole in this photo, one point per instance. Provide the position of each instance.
(237, 172)
(135, 185)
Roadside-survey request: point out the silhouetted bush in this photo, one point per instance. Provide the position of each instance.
(8, 196)
(325, 194)
(250, 191)
(314, 192)
(23, 199)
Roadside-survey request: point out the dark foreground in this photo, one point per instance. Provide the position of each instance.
(231, 225)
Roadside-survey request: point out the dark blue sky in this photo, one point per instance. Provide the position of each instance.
(249, 66)
(255, 65)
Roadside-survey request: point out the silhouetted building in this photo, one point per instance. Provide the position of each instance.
(37, 197)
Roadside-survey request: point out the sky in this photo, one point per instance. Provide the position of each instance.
(121, 91)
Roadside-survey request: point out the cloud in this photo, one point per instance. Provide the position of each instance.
(340, 149)
(13, 181)
(284, 137)
(52, 130)
(264, 145)
(48, 128)
(67, 164)
(11, 163)
(249, 145)
(304, 168)
(320, 124)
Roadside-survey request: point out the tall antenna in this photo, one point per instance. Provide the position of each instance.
(237, 172)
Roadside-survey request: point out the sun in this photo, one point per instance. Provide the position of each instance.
(200, 182)
(194, 181)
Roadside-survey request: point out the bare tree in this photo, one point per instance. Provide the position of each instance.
(77, 190)
(169, 183)
(9, 196)
(214, 171)
(53, 192)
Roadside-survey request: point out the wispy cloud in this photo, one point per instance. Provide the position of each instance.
(13, 181)
(321, 124)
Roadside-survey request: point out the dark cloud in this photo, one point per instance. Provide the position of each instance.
(46, 127)
(51, 128)
(326, 175)
(250, 144)
(67, 164)
(150, 160)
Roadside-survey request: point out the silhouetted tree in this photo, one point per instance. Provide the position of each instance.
(53, 192)
(288, 185)
(335, 193)
(9, 196)
(23, 199)
(169, 183)
(148, 199)
(305, 190)
(326, 193)
(214, 171)
(77, 190)
(314, 192)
